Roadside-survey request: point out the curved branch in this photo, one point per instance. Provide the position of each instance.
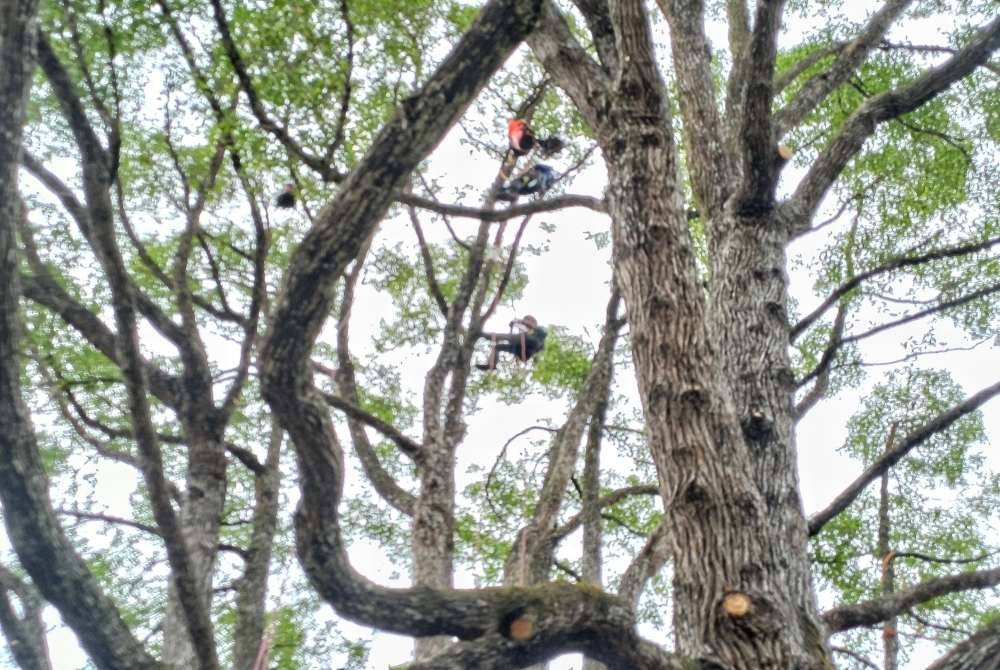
(650, 559)
(499, 652)
(889, 266)
(875, 611)
(892, 456)
(493, 215)
(407, 445)
(607, 500)
(981, 651)
(829, 354)
(25, 632)
(817, 89)
(862, 124)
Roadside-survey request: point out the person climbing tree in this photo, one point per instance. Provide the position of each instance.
(525, 342)
(537, 179)
(522, 139)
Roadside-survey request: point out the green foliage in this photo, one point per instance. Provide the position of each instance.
(939, 496)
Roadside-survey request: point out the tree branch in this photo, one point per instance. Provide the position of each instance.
(607, 500)
(322, 167)
(425, 254)
(569, 65)
(822, 383)
(381, 480)
(980, 651)
(889, 266)
(650, 559)
(712, 171)
(25, 632)
(875, 611)
(758, 146)
(825, 170)
(499, 652)
(828, 355)
(407, 445)
(493, 215)
(892, 456)
(853, 54)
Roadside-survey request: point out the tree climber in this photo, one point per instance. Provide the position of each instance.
(537, 179)
(286, 199)
(525, 342)
(522, 139)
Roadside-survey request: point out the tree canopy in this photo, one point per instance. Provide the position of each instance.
(242, 435)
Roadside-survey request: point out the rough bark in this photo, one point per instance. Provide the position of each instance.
(981, 651)
(25, 633)
(42, 547)
(887, 585)
(591, 568)
(251, 605)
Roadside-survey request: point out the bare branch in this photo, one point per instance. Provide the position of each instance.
(901, 449)
(381, 480)
(875, 611)
(650, 559)
(507, 270)
(425, 254)
(896, 555)
(407, 445)
(488, 214)
(819, 389)
(607, 500)
(787, 76)
(886, 45)
(831, 351)
(856, 656)
(108, 518)
(895, 264)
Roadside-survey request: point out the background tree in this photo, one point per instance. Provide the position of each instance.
(163, 325)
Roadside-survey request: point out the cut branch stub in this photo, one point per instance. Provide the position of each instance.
(736, 604)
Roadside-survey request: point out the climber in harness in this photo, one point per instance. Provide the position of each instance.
(525, 339)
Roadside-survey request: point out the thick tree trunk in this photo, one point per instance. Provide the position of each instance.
(251, 605)
(742, 596)
(199, 523)
(433, 533)
(592, 526)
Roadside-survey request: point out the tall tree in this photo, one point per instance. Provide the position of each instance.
(160, 317)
